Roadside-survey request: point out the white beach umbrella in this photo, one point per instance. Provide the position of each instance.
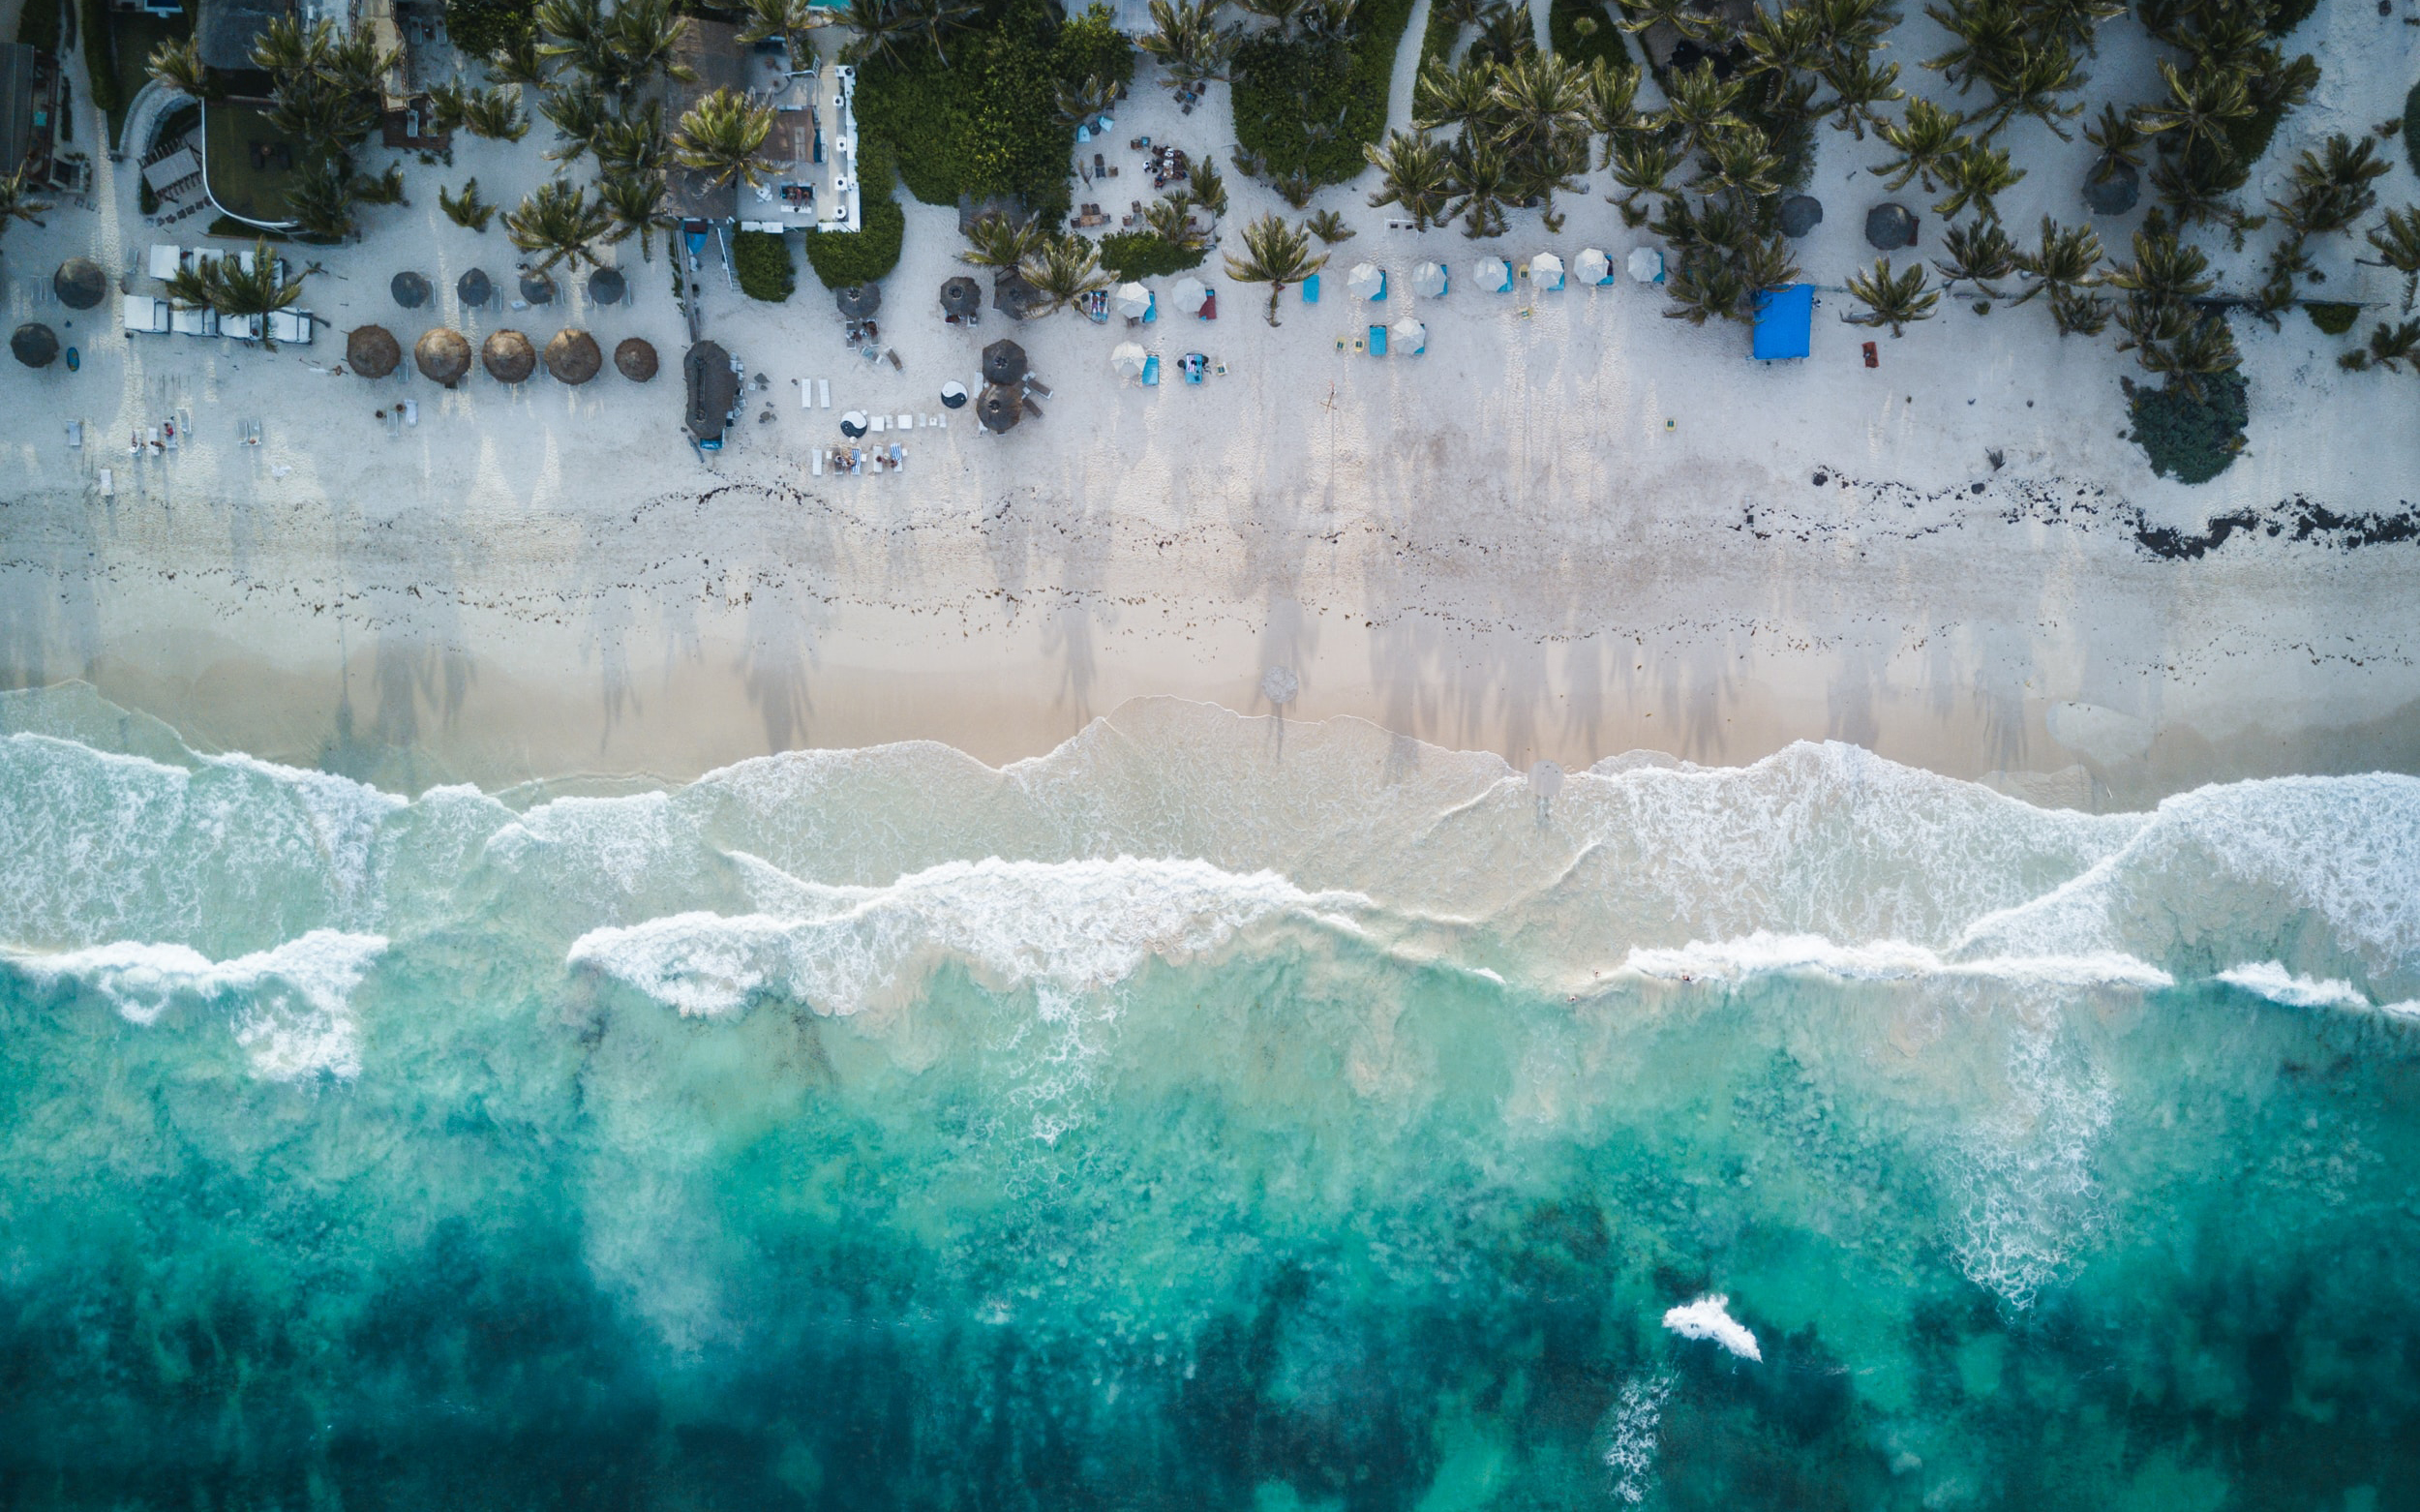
(1410, 336)
(1133, 301)
(1593, 266)
(1366, 281)
(1646, 264)
(1428, 280)
(1186, 293)
(1546, 270)
(1127, 360)
(1495, 275)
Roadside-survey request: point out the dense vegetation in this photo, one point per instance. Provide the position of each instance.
(2191, 432)
(841, 258)
(481, 28)
(2333, 320)
(1584, 31)
(1131, 254)
(38, 26)
(1310, 97)
(760, 260)
(100, 64)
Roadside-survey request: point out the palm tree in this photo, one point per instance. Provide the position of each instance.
(1975, 178)
(719, 137)
(2120, 136)
(1784, 41)
(1505, 35)
(468, 210)
(2043, 74)
(518, 62)
(576, 107)
(1188, 42)
(645, 37)
(17, 202)
(998, 241)
(1927, 142)
(2397, 239)
(1980, 254)
(1989, 39)
(1276, 255)
(1697, 104)
(1539, 101)
(285, 48)
(1414, 173)
(2204, 348)
(2165, 271)
(2066, 260)
(631, 141)
(319, 200)
(1640, 166)
(2076, 313)
(1171, 221)
(935, 19)
(1739, 163)
(2332, 186)
(575, 30)
(635, 204)
(1080, 104)
(1064, 269)
(1704, 287)
(772, 18)
(558, 221)
(1279, 14)
(1858, 87)
(1208, 190)
(1481, 178)
(1613, 101)
(1329, 226)
(1444, 96)
(1895, 300)
(227, 287)
(883, 29)
(495, 113)
(2199, 106)
(178, 66)
(2391, 345)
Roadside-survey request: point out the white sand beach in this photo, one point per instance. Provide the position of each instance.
(1570, 528)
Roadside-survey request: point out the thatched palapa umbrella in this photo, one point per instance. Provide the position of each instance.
(1889, 226)
(373, 351)
(410, 289)
(1003, 362)
(537, 286)
(80, 283)
(1801, 214)
(1014, 293)
(962, 296)
(2113, 188)
(606, 285)
(572, 356)
(858, 300)
(443, 356)
(635, 360)
(508, 357)
(473, 289)
(1000, 408)
(35, 345)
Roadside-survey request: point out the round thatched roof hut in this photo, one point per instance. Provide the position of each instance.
(410, 289)
(858, 300)
(962, 296)
(508, 357)
(373, 351)
(473, 289)
(606, 285)
(1801, 214)
(572, 356)
(443, 356)
(80, 283)
(1003, 362)
(634, 359)
(537, 286)
(35, 345)
(1889, 226)
(1000, 408)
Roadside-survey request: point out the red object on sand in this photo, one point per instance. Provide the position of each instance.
(1210, 305)
(1871, 359)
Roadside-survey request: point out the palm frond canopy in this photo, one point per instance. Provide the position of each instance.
(508, 357)
(373, 351)
(442, 354)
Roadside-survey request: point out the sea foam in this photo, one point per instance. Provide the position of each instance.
(1709, 1318)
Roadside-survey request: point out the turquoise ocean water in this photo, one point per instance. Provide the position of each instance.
(1212, 1114)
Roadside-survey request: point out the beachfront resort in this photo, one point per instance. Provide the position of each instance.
(2156, 182)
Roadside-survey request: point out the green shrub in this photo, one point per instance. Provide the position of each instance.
(100, 61)
(762, 261)
(2411, 127)
(1142, 255)
(479, 27)
(38, 26)
(2190, 440)
(2290, 13)
(841, 259)
(1090, 46)
(1282, 87)
(1438, 39)
(2333, 318)
(2249, 134)
(1563, 33)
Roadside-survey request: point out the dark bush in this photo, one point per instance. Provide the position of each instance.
(1438, 40)
(841, 259)
(38, 26)
(2411, 127)
(1142, 255)
(2290, 13)
(1566, 35)
(762, 261)
(2249, 134)
(1090, 46)
(479, 27)
(1282, 88)
(2190, 440)
(100, 59)
(2333, 318)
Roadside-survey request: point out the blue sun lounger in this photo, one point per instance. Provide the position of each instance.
(1151, 371)
(1377, 341)
(1311, 290)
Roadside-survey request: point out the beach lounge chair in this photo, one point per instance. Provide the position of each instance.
(1193, 364)
(1210, 305)
(899, 455)
(165, 261)
(815, 462)
(146, 314)
(1377, 341)
(1311, 290)
(1151, 371)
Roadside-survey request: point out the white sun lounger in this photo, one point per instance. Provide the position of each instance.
(823, 393)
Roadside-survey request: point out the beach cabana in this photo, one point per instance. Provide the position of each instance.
(373, 351)
(1186, 293)
(635, 359)
(1366, 281)
(858, 301)
(1646, 266)
(961, 297)
(1546, 272)
(572, 356)
(538, 286)
(80, 283)
(954, 395)
(442, 354)
(1132, 301)
(1430, 280)
(1592, 267)
(34, 344)
(1785, 319)
(1000, 408)
(1493, 276)
(606, 285)
(508, 357)
(410, 289)
(1003, 362)
(713, 392)
(1889, 226)
(1410, 337)
(1127, 358)
(474, 289)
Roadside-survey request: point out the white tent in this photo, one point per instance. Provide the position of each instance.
(1366, 281)
(1646, 264)
(1410, 337)
(1127, 360)
(1546, 271)
(1428, 280)
(145, 313)
(1495, 275)
(1593, 266)
(165, 261)
(1186, 293)
(1133, 301)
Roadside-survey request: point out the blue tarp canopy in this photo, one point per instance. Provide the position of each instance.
(1785, 322)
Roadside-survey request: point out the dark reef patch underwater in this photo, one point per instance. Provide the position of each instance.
(1199, 1119)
